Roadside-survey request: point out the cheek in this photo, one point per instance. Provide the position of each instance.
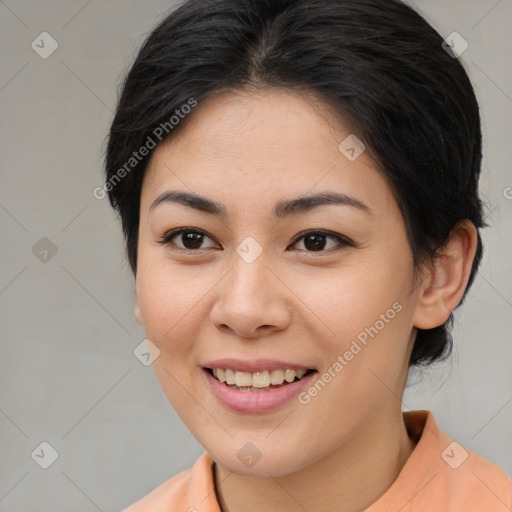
(169, 304)
(344, 303)
(375, 345)
(170, 314)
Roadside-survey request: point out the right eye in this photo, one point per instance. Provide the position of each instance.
(190, 238)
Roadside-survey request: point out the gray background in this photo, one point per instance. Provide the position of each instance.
(69, 375)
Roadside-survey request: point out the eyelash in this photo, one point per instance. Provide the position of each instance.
(343, 242)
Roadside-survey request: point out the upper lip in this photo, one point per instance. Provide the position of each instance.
(255, 365)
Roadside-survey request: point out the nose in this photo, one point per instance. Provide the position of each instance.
(252, 300)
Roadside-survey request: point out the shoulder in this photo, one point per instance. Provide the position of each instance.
(172, 491)
(444, 475)
(181, 491)
(476, 482)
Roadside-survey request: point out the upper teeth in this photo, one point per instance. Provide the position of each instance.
(257, 379)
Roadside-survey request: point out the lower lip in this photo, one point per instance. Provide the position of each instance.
(256, 401)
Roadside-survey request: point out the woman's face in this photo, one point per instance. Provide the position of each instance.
(263, 291)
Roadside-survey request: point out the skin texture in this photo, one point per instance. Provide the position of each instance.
(249, 150)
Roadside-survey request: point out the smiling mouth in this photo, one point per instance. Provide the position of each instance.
(257, 381)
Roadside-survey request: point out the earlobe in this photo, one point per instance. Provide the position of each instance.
(138, 315)
(443, 287)
(137, 312)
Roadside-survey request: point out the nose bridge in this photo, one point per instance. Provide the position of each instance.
(249, 276)
(251, 296)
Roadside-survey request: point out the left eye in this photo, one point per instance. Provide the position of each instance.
(314, 241)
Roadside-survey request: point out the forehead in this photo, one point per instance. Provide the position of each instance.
(249, 122)
(262, 143)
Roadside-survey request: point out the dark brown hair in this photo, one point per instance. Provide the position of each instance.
(378, 65)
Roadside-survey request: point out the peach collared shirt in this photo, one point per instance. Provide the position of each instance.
(439, 476)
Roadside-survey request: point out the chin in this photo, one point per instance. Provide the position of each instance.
(275, 464)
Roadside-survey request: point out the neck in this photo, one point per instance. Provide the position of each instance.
(349, 479)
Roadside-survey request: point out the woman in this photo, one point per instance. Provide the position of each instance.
(298, 187)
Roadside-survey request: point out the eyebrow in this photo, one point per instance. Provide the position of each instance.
(281, 209)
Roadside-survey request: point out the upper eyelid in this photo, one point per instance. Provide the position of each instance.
(178, 231)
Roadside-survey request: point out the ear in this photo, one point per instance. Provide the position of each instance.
(443, 287)
(138, 315)
(137, 312)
